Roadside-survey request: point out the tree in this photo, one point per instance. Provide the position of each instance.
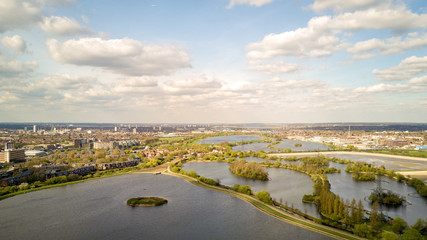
(375, 218)
(361, 230)
(264, 196)
(412, 234)
(421, 226)
(360, 213)
(399, 225)
(389, 236)
(336, 205)
(353, 211)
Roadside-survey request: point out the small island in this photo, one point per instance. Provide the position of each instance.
(146, 201)
(298, 145)
(249, 170)
(386, 198)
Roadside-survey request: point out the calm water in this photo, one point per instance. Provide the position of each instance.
(306, 146)
(254, 147)
(97, 210)
(230, 139)
(387, 162)
(285, 185)
(344, 185)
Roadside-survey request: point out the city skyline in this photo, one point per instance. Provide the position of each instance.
(238, 61)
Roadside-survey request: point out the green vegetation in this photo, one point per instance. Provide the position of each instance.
(400, 152)
(146, 201)
(366, 172)
(364, 176)
(264, 196)
(386, 198)
(250, 170)
(245, 189)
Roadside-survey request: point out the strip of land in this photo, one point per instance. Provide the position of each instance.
(351, 153)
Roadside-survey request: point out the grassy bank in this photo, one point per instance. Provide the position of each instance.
(407, 153)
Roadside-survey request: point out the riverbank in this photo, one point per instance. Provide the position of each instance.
(272, 211)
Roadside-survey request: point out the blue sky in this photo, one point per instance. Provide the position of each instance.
(272, 61)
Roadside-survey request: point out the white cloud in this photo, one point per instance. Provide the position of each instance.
(16, 68)
(419, 81)
(199, 85)
(123, 56)
(274, 67)
(347, 5)
(257, 3)
(313, 41)
(66, 82)
(59, 2)
(18, 14)
(16, 43)
(408, 68)
(280, 84)
(389, 46)
(320, 37)
(396, 19)
(380, 88)
(62, 26)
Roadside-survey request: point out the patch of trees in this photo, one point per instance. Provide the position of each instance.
(311, 165)
(386, 198)
(366, 172)
(193, 174)
(250, 170)
(264, 196)
(146, 201)
(363, 176)
(242, 189)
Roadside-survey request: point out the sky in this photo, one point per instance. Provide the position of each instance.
(213, 61)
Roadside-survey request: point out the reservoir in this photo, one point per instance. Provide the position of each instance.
(96, 209)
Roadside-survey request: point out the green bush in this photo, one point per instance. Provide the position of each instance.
(264, 196)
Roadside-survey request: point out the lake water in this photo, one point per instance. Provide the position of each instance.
(344, 185)
(97, 210)
(285, 185)
(306, 146)
(387, 162)
(230, 139)
(254, 147)
(289, 186)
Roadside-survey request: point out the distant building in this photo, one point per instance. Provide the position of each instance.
(34, 153)
(83, 144)
(105, 145)
(10, 154)
(34, 128)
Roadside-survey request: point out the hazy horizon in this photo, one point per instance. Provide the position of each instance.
(224, 61)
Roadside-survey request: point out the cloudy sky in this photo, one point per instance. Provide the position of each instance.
(213, 61)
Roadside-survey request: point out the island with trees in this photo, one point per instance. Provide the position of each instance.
(146, 202)
(250, 170)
